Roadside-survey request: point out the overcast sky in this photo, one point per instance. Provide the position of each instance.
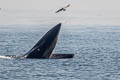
(29, 11)
(51, 4)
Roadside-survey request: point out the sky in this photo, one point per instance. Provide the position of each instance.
(49, 4)
(30, 11)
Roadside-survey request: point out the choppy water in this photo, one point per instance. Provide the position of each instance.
(96, 49)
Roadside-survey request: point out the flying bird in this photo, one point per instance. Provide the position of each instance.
(63, 9)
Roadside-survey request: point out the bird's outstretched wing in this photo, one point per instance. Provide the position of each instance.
(59, 10)
(67, 6)
(62, 9)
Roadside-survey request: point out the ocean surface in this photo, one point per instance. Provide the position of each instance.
(96, 49)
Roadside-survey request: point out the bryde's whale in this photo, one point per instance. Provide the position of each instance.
(45, 46)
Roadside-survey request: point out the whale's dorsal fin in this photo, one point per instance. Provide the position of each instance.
(44, 47)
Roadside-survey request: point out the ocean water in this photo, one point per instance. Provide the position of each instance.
(96, 49)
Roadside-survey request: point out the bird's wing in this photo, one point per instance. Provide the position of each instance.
(59, 10)
(67, 6)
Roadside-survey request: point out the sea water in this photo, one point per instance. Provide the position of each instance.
(96, 52)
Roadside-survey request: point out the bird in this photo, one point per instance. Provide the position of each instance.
(63, 9)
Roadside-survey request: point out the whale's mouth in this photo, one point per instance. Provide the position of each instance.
(43, 49)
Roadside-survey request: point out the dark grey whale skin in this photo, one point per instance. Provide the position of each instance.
(45, 46)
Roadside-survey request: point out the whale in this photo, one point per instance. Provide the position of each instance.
(43, 49)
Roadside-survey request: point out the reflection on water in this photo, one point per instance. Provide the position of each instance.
(96, 49)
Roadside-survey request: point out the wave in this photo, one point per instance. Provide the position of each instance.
(5, 57)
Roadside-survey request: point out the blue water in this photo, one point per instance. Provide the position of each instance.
(96, 49)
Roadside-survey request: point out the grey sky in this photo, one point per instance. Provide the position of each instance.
(80, 11)
(51, 4)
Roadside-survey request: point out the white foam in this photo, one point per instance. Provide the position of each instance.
(5, 57)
